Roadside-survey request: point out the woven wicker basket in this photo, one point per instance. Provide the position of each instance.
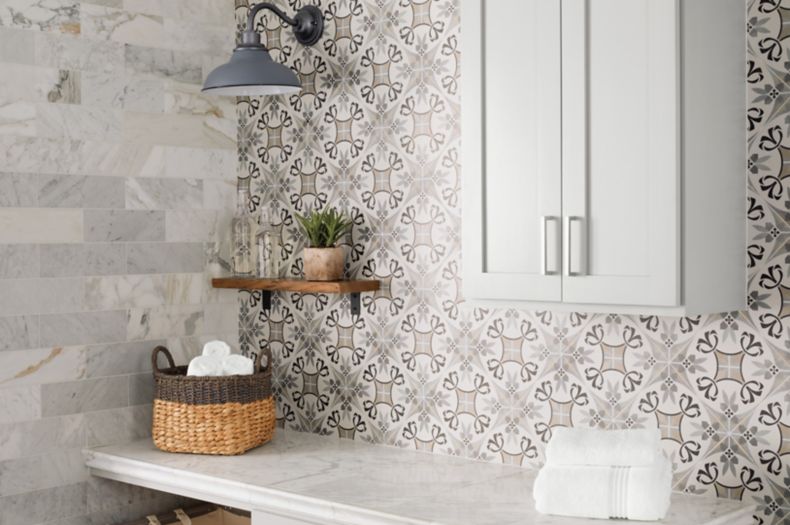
(225, 415)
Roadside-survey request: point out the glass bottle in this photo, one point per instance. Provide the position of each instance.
(268, 244)
(244, 229)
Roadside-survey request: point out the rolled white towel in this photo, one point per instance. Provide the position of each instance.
(205, 365)
(586, 446)
(634, 493)
(216, 349)
(236, 364)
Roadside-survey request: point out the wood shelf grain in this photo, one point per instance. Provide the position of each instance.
(296, 285)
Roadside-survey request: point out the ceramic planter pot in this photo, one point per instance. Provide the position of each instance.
(324, 264)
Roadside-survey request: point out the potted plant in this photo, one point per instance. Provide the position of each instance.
(323, 260)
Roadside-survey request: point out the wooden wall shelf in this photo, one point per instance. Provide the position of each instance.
(267, 286)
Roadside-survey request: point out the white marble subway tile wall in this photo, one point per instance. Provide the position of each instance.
(117, 179)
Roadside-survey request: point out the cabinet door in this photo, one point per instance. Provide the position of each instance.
(512, 156)
(621, 153)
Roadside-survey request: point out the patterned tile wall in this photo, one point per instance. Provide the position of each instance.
(116, 176)
(376, 133)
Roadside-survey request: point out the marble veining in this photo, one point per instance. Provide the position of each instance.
(332, 480)
(142, 291)
(44, 15)
(161, 194)
(103, 131)
(122, 26)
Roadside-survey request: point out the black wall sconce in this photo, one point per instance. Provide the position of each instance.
(251, 70)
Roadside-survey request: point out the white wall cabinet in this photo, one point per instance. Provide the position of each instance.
(605, 154)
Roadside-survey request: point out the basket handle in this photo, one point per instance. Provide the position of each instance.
(268, 369)
(161, 350)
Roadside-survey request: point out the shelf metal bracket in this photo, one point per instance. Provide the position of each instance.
(356, 308)
(266, 300)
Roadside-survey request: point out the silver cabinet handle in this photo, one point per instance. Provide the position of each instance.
(545, 220)
(573, 272)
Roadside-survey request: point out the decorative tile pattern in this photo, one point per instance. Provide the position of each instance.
(376, 132)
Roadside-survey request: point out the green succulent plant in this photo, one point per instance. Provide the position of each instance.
(324, 228)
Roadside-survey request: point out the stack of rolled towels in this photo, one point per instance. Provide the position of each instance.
(604, 474)
(218, 360)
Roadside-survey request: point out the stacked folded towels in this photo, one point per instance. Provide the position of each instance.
(217, 360)
(604, 474)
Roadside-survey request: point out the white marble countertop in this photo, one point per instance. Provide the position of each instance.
(333, 481)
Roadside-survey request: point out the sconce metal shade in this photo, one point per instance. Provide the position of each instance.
(251, 72)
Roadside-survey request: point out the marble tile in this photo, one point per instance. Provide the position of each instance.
(81, 54)
(144, 94)
(195, 131)
(74, 397)
(120, 358)
(221, 318)
(26, 83)
(196, 225)
(67, 89)
(220, 194)
(130, 92)
(67, 260)
(18, 190)
(179, 34)
(35, 296)
(81, 192)
(187, 99)
(119, 425)
(112, 159)
(212, 12)
(200, 163)
(124, 225)
(28, 155)
(149, 7)
(165, 258)
(21, 403)
(118, 4)
(45, 471)
(164, 194)
(75, 520)
(38, 225)
(19, 261)
(44, 15)
(141, 389)
(19, 332)
(78, 122)
(184, 66)
(108, 23)
(103, 89)
(16, 46)
(42, 366)
(18, 118)
(31, 438)
(83, 328)
(44, 505)
(165, 321)
(142, 291)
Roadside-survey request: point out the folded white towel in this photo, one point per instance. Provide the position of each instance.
(586, 446)
(216, 349)
(205, 365)
(634, 493)
(237, 365)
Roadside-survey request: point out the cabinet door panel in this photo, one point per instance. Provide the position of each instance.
(512, 149)
(621, 151)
